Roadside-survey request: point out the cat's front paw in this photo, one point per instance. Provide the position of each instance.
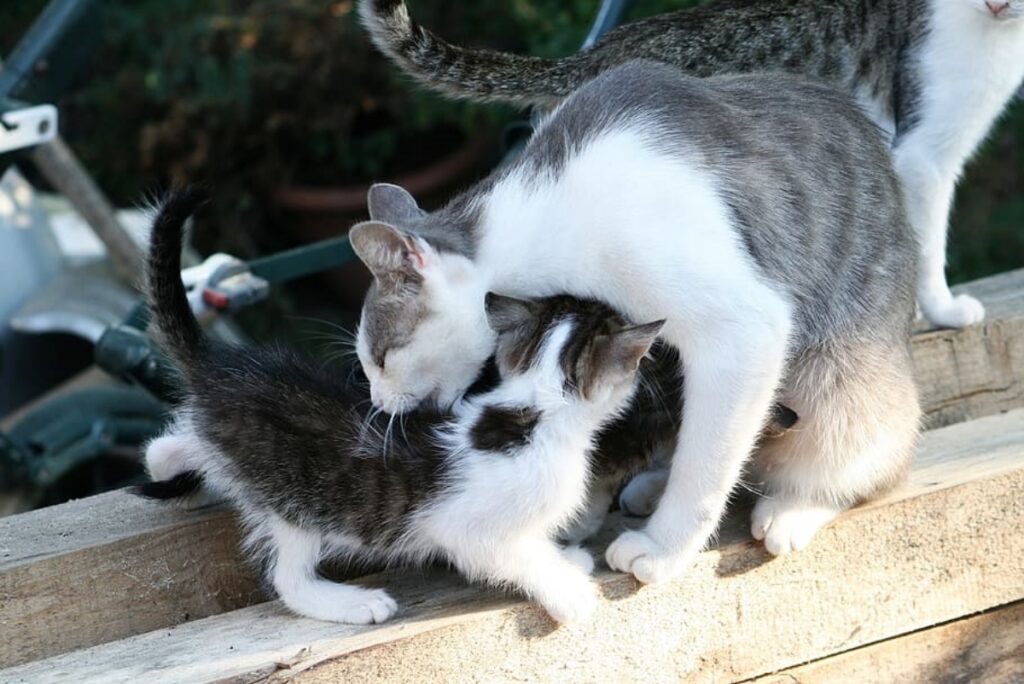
(369, 607)
(958, 312)
(579, 557)
(574, 602)
(639, 554)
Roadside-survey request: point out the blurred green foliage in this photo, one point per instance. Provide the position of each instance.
(249, 95)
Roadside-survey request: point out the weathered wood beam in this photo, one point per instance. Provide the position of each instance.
(946, 545)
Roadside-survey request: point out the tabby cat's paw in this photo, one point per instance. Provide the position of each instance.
(637, 553)
(958, 312)
(573, 602)
(370, 606)
(579, 557)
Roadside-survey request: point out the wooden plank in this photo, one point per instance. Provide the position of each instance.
(150, 541)
(977, 371)
(946, 545)
(111, 566)
(985, 648)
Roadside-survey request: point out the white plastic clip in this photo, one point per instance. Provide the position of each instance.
(27, 127)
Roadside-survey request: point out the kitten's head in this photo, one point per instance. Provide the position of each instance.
(564, 353)
(1000, 10)
(423, 336)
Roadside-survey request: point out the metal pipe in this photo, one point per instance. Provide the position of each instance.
(41, 37)
(608, 17)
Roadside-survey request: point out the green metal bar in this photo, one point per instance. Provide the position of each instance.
(303, 261)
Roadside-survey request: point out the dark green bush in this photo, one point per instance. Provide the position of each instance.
(252, 95)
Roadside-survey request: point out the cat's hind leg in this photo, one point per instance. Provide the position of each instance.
(295, 554)
(859, 420)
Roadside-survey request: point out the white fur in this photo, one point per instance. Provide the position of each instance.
(972, 63)
(411, 372)
(496, 520)
(682, 262)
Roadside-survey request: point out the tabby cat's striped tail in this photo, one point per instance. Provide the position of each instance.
(481, 75)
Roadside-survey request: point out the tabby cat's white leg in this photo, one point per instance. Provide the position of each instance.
(293, 572)
(733, 365)
(928, 192)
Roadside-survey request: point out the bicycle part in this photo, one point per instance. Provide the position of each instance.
(127, 353)
(78, 427)
(26, 127)
(233, 286)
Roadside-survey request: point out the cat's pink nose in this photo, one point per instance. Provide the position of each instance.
(996, 7)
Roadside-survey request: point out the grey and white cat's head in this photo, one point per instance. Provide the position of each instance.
(424, 335)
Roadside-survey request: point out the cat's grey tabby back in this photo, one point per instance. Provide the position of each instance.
(934, 74)
(759, 215)
(485, 489)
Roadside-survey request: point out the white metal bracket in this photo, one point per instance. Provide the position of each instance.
(27, 127)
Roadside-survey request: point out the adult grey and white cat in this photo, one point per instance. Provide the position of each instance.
(935, 74)
(759, 215)
(486, 489)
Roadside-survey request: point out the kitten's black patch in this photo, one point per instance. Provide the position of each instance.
(501, 428)
(178, 486)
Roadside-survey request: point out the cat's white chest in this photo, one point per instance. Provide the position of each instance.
(970, 66)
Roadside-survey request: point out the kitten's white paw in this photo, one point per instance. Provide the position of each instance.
(579, 557)
(637, 553)
(787, 526)
(167, 456)
(572, 602)
(368, 607)
(958, 312)
(640, 497)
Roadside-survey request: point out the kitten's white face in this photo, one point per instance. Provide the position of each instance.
(1000, 10)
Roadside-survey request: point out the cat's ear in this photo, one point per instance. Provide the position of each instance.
(508, 313)
(619, 353)
(392, 204)
(385, 250)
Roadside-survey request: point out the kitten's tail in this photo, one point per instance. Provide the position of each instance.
(174, 321)
(481, 75)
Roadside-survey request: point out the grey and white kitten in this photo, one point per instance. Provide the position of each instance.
(759, 215)
(486, 489)
(934, 74)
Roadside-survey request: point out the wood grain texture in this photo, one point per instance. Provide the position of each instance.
(111, 566)
(985, 648)
(944, 546)
(976, 371)
(73, 565)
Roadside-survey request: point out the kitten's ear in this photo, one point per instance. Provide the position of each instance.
(385, 250)
(392, 204)
(621, 351)
(507, 313)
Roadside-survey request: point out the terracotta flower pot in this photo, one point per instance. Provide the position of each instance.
(318, 213)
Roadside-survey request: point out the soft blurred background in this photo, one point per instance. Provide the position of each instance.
(285, 110)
